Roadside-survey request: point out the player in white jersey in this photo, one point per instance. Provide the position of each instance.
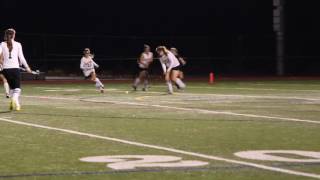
(170, 66)
(146, 58)
(12, 58)
(88, 66)
(4, 80)
(182, 61)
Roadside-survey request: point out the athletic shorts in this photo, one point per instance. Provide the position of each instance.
(13, 77)
(142, 69)
(182, 67)
(87, 73)
(176, 68)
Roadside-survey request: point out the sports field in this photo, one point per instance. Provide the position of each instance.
(73, 132)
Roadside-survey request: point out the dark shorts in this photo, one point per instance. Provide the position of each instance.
(13, 77)
(182, 67)
(142, 69)
(87, 77)
(176, 68)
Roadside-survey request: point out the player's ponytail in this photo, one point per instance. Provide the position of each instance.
(8, 37)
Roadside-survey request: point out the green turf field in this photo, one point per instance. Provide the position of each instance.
(205, 124)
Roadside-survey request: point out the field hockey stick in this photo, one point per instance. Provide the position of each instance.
(37, 72)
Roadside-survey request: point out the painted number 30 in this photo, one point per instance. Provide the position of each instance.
(129, 162)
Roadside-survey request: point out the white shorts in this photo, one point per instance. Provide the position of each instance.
(88, 73)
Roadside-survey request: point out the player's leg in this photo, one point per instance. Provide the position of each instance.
(99, 84)
(169, 83)
(13, 77)
(145, 80)
(175, 78)
(181, 75)
(5, 85)
(138, 80)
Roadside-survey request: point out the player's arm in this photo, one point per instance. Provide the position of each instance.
(164, 67)
(140, 59)
(95, 64)
(151, 58)
(82, 64)
(1, 56)
(183, 62)
(23, 60)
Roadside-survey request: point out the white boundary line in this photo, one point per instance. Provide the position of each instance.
(216, 158)
(184, 109)
(253, 89)
(232, 95)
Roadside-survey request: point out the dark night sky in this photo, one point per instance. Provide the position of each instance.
(138, 17)
(222, 19)
(146, 18)
(239, 29)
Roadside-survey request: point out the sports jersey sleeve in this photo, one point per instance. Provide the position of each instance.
(163, 65)
(82, 64)
(21, 57)
(1, 58)
(95, 64)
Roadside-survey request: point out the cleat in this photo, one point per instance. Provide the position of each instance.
(7, 96)
(102, 90)
(134, 88)
(145, 89)
(18, 108)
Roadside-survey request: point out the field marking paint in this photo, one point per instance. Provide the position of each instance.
(253, 89)
(267, 155)
(237, 95)
(131, 162)
(183, 109)
(172, 150)
(62, 90)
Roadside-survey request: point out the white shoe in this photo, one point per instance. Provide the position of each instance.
(101, 89)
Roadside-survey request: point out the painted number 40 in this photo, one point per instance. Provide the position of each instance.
(129, 162)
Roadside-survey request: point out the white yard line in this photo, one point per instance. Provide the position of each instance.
(216, 158)
(253, 89)
(204, 111)
(235, 95)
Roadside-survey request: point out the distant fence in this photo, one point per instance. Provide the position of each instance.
(232, 55)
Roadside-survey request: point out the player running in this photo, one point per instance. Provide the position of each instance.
(88, 66)
(182, 61)
(4, 80)
(146, 58)
(12, 55)
(170, 66)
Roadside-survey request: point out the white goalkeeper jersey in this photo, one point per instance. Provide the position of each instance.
(14, 59)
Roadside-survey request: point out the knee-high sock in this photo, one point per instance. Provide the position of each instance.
(11, 92)
(136, 82)
(146, 83)
(98, 83)
(170, 88)
(180, 83)
(16, 95)
(7, 88)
